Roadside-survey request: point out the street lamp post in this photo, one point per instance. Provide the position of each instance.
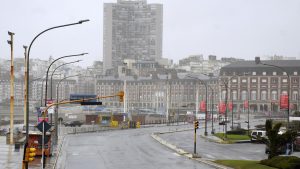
(212, 103)
(56, 108)
(51, 83)
(27, 65)
(258, 61)
(205, 84)
(51, 78)
(81, 54)
(226, 94)
(11, 43)
(212, 110)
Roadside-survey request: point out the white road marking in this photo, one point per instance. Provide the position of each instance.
(176, 154)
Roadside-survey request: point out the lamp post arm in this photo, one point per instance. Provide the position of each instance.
(27, 65)
(49, 69)
(55, 27)
(288, 89)
(55, 70)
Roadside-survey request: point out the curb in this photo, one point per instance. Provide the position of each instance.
(212, 140)
(58, 150)
(185, 153)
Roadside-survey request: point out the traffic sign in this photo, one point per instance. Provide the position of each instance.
(46, 139)
(91, 103)
(46, 126)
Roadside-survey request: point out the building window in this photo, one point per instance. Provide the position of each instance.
(284, 80)
(295, 80)
(274, 95)
(284, 73)
(264, 73)
(223, 95)
(295, 95)
(244, 95)
(253, 73)
(264, 80)
(253, 95)
(296, 73)
(234, 95)
(274, 73)
(244, 80)
(253, 80)
(263, 95)
(233, 80)
(274, 80)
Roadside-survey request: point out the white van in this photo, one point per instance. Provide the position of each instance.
(256, 134)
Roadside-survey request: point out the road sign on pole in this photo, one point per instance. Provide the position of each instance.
(43, 125)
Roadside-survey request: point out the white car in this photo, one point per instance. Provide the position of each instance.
(257, 134)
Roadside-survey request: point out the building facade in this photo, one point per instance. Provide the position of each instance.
(261, 85)
(132, 30)
(159, 92)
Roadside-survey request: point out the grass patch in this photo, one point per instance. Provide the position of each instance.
(243, 164)
(283, 162)
(233, 137)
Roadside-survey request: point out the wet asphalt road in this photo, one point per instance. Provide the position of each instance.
(134, 149)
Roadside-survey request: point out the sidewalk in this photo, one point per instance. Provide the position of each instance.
(8, 157)
(187, 154)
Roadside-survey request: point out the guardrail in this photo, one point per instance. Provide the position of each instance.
(83, 129)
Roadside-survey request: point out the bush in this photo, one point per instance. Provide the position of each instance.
(237, 132)
(283, 162)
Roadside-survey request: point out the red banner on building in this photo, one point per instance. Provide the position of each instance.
(284, 101)
(202, 106)
(230, 106)
(222, 107)
(246, 104)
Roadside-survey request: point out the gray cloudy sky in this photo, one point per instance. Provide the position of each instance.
(226, 28)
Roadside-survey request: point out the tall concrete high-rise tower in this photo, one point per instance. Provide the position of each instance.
(132, 30)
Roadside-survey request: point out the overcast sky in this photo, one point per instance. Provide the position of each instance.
(226, 28)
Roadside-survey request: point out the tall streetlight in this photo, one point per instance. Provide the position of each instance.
(168, 97)
(46, 91)
(258, 61)
(51, 78)
(81, 54)
(11, 43)
(212, 103)
(56, 108)
(226, 95)
(205, 84)
(27, 65)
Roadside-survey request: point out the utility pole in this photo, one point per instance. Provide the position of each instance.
(25, 80)
(11, 43)
(125, 100)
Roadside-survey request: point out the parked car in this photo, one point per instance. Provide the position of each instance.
(73, 123)
(257, 135)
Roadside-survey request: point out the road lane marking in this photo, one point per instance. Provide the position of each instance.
(75, 154)
(176, 154)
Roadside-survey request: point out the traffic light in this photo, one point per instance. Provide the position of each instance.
(121, 95)
(196, 123)
(30, 154)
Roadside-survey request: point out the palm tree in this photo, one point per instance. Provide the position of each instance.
(276, 141)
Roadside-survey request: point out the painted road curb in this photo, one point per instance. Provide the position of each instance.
(183, 152)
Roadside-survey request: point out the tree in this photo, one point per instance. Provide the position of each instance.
(273, 141)
(276, 141)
